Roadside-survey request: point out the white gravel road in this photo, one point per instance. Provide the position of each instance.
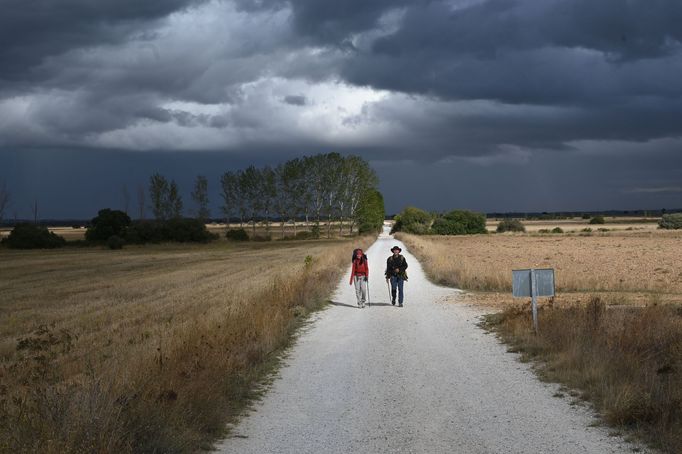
(422, 378)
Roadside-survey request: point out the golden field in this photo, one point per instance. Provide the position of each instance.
(605, 337)
(274, 231)
(625, 265)
(148, 348)
(575, 225)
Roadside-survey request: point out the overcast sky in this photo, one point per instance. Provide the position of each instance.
(491, 105)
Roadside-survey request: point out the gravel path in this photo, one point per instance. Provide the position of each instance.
(422, 378)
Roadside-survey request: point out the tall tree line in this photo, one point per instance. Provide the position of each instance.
(325, 187)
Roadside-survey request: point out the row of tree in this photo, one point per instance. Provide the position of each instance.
(339, 190)
(325, 187)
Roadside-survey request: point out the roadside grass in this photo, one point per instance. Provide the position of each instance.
(614, 332)
(627, 362)
(149, 349)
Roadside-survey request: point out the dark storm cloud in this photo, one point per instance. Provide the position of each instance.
(529, 52)
(476, 90)
(31, 30)
(295, 100)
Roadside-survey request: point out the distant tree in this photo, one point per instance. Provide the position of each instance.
(360, 179)
(597, 220)
(229, 191)
(4, 199)
(126, 198)
(332, 165)
(267, 190)
(281, 202)
(315, 179)
(141, 202)
(158, 194)
(200, 198)
(34, 210)
(371, 213)
(106, 224)
(174, 202)
(249, 184)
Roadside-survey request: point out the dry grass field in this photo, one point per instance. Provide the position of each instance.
(274, 231)
(147, 349)
(574, 225)
(606, 336)
(624, 265)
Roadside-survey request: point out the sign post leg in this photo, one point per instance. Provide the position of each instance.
(534, 299)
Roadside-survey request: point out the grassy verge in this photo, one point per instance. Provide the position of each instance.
(610, 338)
(148, 349)
(627, 362)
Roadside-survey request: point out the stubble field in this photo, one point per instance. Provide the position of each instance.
(149, 348)
(612, 335)
(624, 267)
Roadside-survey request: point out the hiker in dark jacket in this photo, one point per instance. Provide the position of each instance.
(359, 275)
(395, 272)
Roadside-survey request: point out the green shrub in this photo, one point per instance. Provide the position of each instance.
(586, 229)
(597, 220)
(115, 242)
(237, 235)
(173, 230)
(671, 221)
(557, 230)
(459, 222)
(602, 229)
(315, 231)
(106, 224)
(412, 220)
(31, 236)
(510, 225)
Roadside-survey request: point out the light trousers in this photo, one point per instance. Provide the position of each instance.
(360, 289)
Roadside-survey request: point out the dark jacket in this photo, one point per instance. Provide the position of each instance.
(396, 262)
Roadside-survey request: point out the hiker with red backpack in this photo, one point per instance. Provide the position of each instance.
(359, 276)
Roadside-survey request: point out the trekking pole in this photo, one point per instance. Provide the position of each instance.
(390, 295)
(369, 301)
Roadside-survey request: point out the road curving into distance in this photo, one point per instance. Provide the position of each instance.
(422, 378)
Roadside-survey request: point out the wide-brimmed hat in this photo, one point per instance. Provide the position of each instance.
(396, 247)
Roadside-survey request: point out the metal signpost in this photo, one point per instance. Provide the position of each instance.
(533, 283)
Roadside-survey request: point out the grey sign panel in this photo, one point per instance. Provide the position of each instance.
(521, 283)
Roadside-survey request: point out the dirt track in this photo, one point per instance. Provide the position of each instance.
(423, 378)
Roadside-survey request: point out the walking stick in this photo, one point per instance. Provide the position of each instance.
(369, 301)
(390, 295)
